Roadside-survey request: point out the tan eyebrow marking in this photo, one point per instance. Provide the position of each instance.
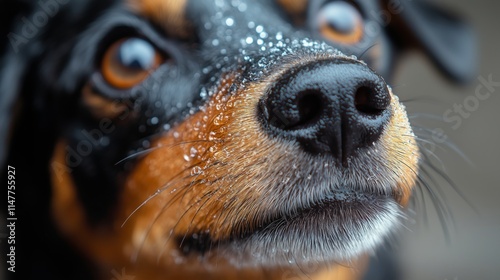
(295, 8)
(169, 14)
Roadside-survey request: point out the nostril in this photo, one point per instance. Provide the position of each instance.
(327, 107)
(310, 107)
(300, 111)
(371, 101)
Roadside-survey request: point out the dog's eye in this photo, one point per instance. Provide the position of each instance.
(340, 22)
(129, 61)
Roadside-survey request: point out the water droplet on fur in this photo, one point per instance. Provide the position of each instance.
(196, 170)
(211, 136)
(193, 152)
(218, 120)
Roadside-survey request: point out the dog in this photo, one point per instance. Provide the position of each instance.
(211, 139)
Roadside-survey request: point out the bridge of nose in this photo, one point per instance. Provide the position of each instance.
(237, 24)
(250, 37)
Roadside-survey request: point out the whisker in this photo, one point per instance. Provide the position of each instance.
(140, 206)
(436, 201)
(162, 251)
(439, 211)
(447, 143)
(147, 151)
(424, 204)
(425, 152)
(366, 51)
(156, 218)
(150, 150)
(158, 191)
(439, 194)
(194, 216)
(167, 185)
(424, 99)
(451, 183)
(398, 86)
(177, 197)
(427, 116)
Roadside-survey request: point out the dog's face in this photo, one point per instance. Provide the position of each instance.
(211, 136)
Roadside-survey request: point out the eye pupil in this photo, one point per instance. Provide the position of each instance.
(340, 17)
(136, 54)
(129, 61)
(340, 21)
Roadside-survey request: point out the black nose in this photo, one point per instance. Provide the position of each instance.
(335, 107)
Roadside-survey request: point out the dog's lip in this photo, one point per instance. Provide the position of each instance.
(337, 200)
(355, 203)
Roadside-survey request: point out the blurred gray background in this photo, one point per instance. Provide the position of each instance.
(472, 248)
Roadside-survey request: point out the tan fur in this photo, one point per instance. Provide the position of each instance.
(401, 150)
(101, 107)
(294, 7)
(169, 14)
(174, 191)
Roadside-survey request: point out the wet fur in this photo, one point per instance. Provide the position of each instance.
(136, 202)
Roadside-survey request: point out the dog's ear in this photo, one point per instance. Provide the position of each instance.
(446, 38)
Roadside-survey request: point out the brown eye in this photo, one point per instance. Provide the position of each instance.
(340, 22)
(129, 61)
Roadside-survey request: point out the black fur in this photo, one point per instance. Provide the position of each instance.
(41, 78)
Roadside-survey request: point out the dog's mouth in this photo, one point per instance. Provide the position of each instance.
(342, 224)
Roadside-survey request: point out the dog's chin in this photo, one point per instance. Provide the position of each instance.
(340, 227)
